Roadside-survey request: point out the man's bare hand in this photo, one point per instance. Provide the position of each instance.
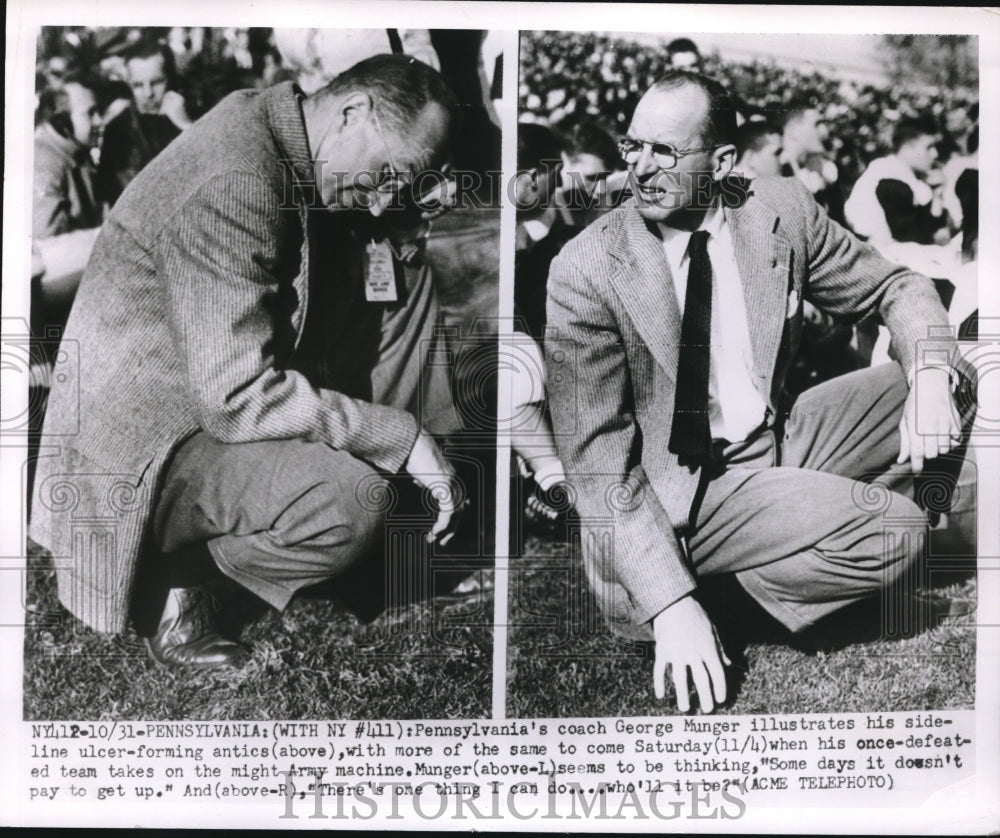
(686, 641)
(442, 198)
(429, 469)
(929, 426)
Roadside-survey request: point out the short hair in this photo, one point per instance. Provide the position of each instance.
(682, 45)
(796, 114)
(536, 144)
(401, 86)
(752, 136)
(586, 136)
(719, 127)
(145, 48)
(55, 100)
(910, 128)
(111, 91)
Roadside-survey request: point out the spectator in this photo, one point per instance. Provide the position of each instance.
(965, 157)
(682, 54)
(137, 134)
(758, 150)
(542, 230)
(966, 191)
(892, 200)
(804, 157)
(593, 177)
(65, 213)
(317, 55)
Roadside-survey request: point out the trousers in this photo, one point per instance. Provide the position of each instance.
(277, 516)
(822, 516)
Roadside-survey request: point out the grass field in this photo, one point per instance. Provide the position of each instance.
(317, 660)
(563, 662)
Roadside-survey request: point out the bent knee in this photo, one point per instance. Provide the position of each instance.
(319, 489)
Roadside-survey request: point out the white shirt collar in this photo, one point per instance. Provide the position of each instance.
(675, 242)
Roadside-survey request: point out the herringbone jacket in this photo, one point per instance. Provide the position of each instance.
(187, 318)
(612, 354)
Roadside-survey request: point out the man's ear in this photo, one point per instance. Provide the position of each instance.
(355, 108)
(725, 160)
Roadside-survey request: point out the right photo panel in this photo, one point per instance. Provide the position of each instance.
(745, 276)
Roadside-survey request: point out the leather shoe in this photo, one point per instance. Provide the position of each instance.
(186, 637)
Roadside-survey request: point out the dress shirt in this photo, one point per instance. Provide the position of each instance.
(736, 406)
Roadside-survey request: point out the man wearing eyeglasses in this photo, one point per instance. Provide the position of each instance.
(675, 319)
(224, 412)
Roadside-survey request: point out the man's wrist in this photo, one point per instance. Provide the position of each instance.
(940, 366)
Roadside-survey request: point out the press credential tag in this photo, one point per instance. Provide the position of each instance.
(380, 277)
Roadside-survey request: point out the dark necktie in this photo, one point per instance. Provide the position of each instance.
(690, 434)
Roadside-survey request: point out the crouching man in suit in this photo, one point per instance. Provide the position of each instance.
(673, 322)
(227, 412)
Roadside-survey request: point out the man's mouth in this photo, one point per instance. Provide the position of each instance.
(654, 193)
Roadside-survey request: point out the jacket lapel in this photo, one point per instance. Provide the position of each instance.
(645, 286)
(763, 258)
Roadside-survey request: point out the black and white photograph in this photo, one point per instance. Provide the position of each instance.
(262, 446)
(744, 483)
(500, 416)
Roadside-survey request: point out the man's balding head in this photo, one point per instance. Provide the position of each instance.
(383, 121)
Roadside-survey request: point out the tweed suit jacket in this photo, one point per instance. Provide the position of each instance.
(612, 354)
(188, 317)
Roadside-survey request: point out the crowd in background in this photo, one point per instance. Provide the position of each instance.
(110, 99)
(896, 164)
(572, 74)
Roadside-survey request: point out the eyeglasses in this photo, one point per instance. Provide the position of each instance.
(392, 181)
(664, 155)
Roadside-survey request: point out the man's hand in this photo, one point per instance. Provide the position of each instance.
(441, 198)
(686, 640)
(929, 426)
(429, 469)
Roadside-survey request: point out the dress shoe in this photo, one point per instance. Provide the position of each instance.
(186, 637)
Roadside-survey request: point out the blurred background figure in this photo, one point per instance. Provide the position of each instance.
(683, 54)
(593, 176)
(804, 156)
(65, 211)
(65, 220)
(896, 198)
(146, 125)
(543, 228)
(758, 150)
(317, 55)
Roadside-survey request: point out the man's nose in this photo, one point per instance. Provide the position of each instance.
(645, 165)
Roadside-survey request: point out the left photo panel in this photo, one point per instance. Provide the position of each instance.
(262, 351)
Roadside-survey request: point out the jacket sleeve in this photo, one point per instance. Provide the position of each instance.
(599, 441)
(851, 279)
(907, 221)
(50, 204)
(218, 256)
